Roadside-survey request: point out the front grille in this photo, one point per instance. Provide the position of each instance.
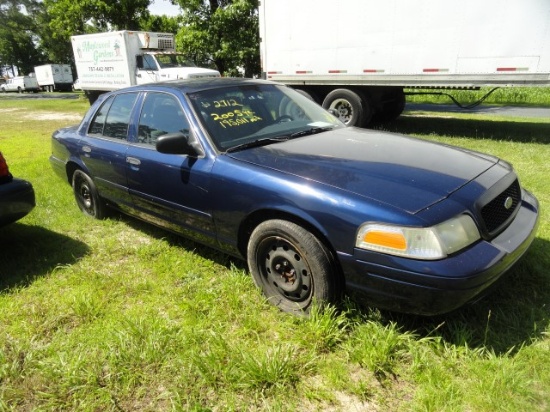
(496, 213)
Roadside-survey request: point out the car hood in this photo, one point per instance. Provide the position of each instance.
(404, 172)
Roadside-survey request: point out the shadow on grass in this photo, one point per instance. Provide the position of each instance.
(515, 313)
(26, 250)
(512, 130)
(174, 239)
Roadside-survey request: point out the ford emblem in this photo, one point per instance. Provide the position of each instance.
(508, 203)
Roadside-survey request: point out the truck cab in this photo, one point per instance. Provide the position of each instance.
(161, 66)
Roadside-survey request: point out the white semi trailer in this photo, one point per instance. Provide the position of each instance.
(112, 60)
(357, 56)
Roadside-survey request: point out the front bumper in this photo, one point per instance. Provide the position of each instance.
(437, 287)
(16, 200)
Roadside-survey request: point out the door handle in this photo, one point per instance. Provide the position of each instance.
(133, 161)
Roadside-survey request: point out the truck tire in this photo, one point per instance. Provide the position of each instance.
(352, 107)
(309, 94)
(391, 108)
(93, 95)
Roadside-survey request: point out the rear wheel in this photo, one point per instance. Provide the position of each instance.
(86, 195)
(351, 107)
(291, 266)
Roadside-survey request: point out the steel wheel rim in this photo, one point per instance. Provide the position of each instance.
(343, 108)
(284, 271)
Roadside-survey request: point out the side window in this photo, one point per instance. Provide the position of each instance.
(149, 62)
(161, 114)
(97, 124)
(112, 119)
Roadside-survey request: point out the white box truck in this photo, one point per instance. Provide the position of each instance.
(112, 60)
(20, 84)
(357, 56)
(54, 77)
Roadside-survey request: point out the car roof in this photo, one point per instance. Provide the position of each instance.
(200, 84)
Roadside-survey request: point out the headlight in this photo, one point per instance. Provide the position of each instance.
(428, 243)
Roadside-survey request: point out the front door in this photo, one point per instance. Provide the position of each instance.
(171, 190)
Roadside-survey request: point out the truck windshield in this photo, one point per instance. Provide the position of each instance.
(173, 60)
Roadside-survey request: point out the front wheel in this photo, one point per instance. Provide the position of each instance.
(291, 266)
(87, 196)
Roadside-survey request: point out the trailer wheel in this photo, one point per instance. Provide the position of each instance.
(351, 107)
(19, 90)
(309, 94)
(391, 108)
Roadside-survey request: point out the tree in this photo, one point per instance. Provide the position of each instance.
(65, 18)
(163, 24)
(19, 44)
(223, 32)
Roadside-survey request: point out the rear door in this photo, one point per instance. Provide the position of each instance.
(103, 149)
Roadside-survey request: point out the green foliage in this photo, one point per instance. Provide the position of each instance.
(18, 35)
(162, 24)
(224, 33)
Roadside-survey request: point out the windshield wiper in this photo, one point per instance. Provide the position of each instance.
(313, 130)
(257, 143)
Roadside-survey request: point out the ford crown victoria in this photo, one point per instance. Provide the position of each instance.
(317, 209)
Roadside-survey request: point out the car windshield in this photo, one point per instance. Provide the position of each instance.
(242, 116)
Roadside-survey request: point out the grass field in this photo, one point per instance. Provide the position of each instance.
(116, 315)
(514, 96)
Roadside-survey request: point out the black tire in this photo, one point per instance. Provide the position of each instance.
(19, 90)
(93, 95)
(289, 110)
(86, 195)
(391, 108)
(291, 266)
(351, 107)
(309, 94)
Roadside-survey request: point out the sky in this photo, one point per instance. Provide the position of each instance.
(160, 7)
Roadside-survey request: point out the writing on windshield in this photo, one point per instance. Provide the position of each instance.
(229, 113)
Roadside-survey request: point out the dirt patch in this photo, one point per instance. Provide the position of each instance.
(54, 116)
(44, 115)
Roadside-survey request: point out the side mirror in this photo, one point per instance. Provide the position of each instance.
(139, 62)
(179, 143)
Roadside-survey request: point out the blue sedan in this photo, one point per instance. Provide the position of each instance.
(317, 209)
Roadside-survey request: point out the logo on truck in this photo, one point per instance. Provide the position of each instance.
(100, 50)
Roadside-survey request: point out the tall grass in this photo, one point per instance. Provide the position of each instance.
(512, 96)
(117, 315)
